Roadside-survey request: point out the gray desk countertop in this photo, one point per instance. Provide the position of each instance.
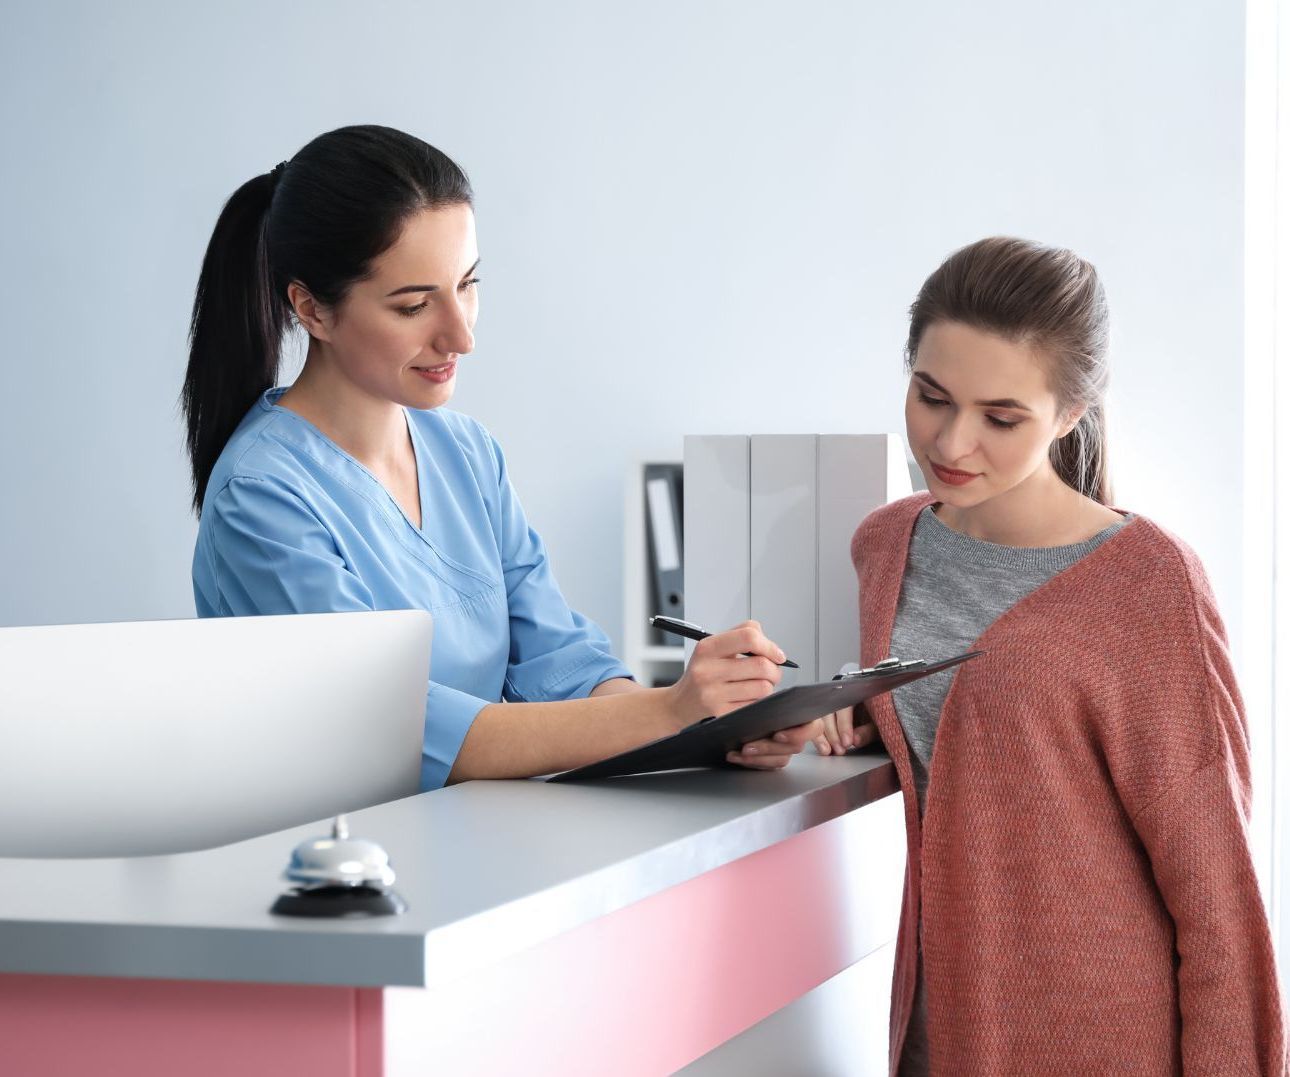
(487, 869)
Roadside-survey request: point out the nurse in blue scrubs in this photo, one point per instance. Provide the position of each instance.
(356, 489)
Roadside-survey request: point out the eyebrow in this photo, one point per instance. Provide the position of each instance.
(1007, 402)
(427, 287)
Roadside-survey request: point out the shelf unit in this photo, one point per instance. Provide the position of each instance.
(652, 663)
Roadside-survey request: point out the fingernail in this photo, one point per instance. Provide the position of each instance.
(750, 749)
(847, 742)
(782, 655)
(732, 757)
(781, 738)
(825, 750)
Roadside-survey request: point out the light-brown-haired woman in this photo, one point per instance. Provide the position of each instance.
(1079, 896)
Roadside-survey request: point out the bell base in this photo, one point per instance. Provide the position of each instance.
(339, 902)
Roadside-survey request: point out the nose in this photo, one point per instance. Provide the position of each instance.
(955, 440)
(455, 332)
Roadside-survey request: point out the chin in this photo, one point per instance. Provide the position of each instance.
(431, 396)
(958, 497)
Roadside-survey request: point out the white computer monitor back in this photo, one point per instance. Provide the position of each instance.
(164, 736)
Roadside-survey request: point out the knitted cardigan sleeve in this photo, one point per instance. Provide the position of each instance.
(1196, 835)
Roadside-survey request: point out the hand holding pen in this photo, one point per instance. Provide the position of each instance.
(686, 630)
(729, 670)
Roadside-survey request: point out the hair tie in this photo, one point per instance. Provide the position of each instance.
(278, 170)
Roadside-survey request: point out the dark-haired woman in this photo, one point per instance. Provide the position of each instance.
(355, 489)
(1080, 897)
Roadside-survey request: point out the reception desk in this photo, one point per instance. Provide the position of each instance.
(700, 920)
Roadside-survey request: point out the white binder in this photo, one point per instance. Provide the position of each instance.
(769, 520)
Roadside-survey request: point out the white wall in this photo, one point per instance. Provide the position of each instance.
(694, 217)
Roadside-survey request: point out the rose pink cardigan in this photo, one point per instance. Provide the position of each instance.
(1082, 870)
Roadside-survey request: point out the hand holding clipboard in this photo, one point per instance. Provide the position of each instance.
(729, 670)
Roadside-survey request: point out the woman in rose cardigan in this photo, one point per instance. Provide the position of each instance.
(1079, 896)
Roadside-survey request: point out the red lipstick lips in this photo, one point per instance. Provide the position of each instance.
(952, 477)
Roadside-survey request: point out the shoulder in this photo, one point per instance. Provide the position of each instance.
(889, 525)
(1160, 570)
(1147, 551)
(261, 449)
(1169, 691)
(439, 422)
(454, 431)
(1163, 546)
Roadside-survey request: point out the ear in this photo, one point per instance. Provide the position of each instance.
(1072, 420)
(309, 312)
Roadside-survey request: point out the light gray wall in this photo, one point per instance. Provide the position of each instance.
(694, 217)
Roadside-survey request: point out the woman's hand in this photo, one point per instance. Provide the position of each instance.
(775, 752)
(719, 679)
(840, 732)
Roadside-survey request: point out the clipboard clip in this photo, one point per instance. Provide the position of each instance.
(887, 665)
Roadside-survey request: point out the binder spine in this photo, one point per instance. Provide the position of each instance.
(857, 474)
(783, 539)
(718, 535)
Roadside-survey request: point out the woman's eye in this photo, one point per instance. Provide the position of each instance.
(1004, 424)
(466, 285)
(933, 401)
(412, 312)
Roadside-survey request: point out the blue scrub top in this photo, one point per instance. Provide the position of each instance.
(293, 524)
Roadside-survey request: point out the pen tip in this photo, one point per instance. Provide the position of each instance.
(790, 664)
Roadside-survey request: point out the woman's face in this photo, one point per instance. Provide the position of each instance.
(979, 414)
(397, 335)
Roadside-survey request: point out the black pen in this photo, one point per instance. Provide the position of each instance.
(694, 632)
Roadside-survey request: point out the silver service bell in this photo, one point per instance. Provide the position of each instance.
(339, 861)
(339, 876)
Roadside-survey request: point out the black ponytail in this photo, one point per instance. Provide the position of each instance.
(320, 219)
(235, 337)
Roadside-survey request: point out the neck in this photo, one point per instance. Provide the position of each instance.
(1040, 511)
(371, 429)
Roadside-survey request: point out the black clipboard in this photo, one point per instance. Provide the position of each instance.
(706, 743)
